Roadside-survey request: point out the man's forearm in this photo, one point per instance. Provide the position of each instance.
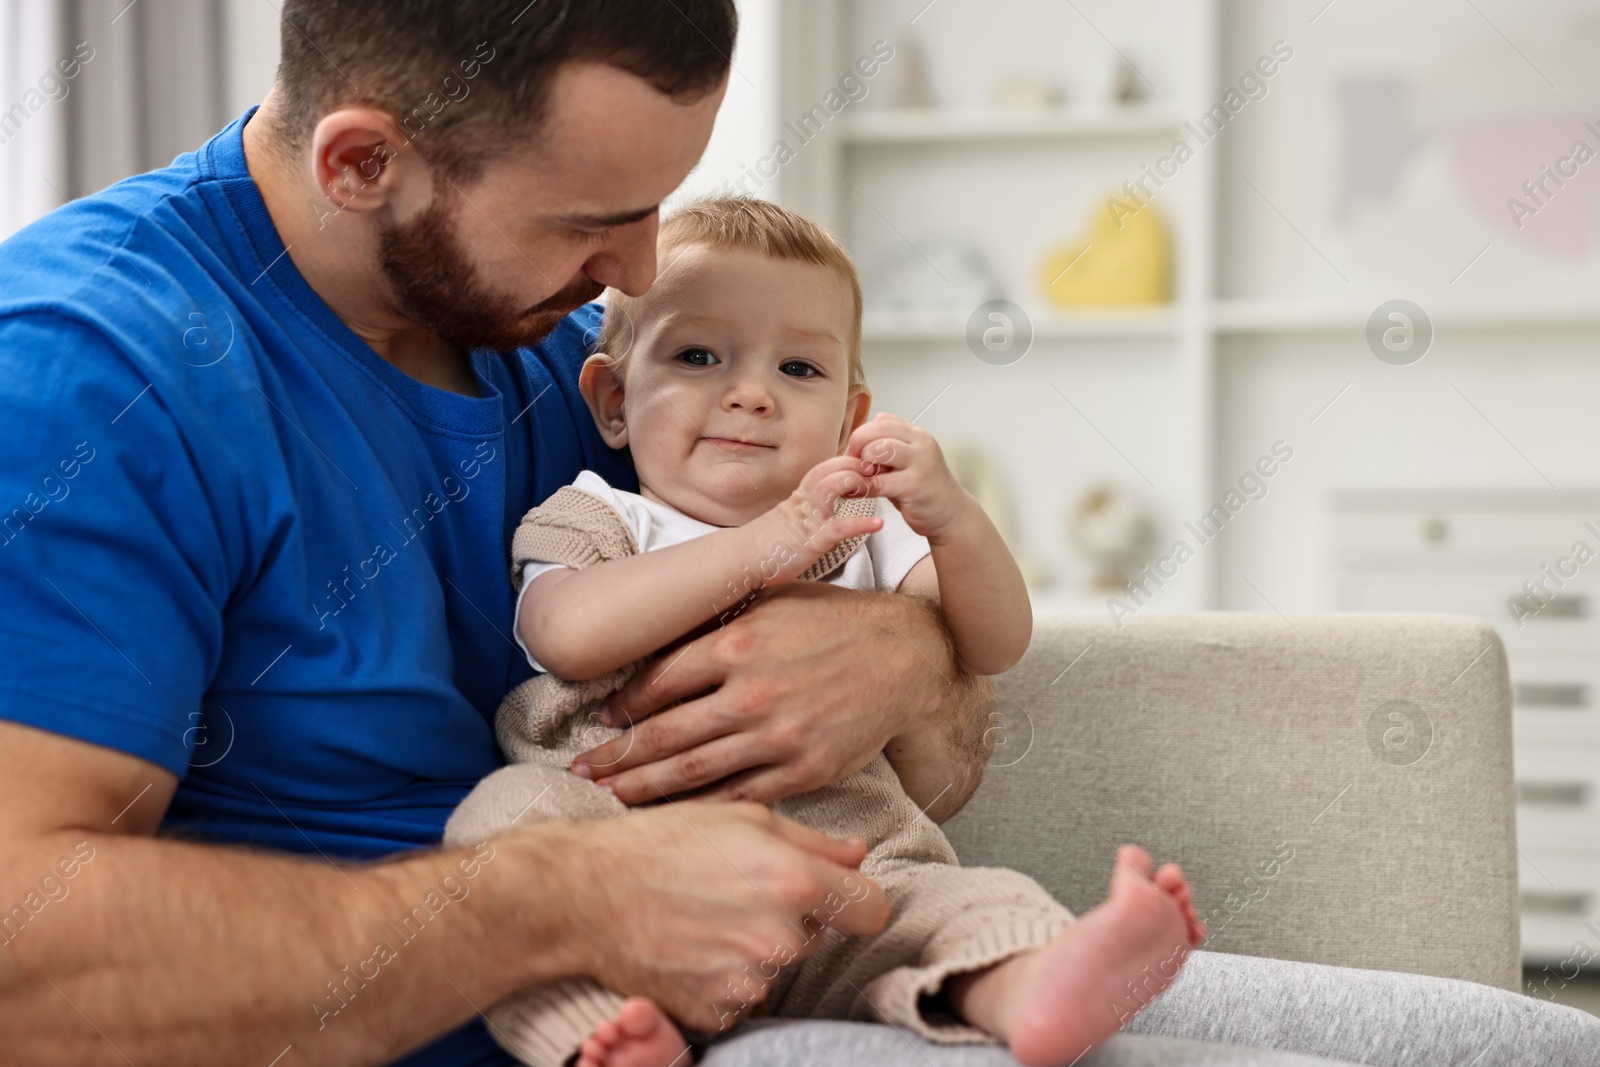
(940, 753)
(167, 952)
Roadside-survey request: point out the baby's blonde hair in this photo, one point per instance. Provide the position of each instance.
(747, 224)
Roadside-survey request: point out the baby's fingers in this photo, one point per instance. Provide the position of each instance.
(825, 492)
(886, 428)
(841, 528)
(831, 471)
(884, 453)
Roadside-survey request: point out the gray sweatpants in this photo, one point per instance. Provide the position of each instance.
(1244, 1011)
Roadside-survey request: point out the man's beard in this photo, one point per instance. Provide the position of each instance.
(436, 287)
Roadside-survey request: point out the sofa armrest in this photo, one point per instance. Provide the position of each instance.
(1338, 788)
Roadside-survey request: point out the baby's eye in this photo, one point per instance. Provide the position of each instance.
(805, 370)
(692, 356)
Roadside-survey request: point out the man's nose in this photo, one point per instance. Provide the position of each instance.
(628, 260)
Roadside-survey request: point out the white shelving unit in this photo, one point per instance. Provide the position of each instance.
(1018, 124)
(1152, 324)
(1010, 159)
(1286, 318)
(1017, 182)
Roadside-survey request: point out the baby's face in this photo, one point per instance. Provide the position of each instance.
(737, 382)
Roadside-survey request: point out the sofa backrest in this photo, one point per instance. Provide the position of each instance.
(1338, 788)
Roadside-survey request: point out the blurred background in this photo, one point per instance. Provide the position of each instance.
(1269, 305)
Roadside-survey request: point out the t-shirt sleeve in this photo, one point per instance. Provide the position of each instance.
(637, 520)
(530, 571)
(895, 549)
(115, 575)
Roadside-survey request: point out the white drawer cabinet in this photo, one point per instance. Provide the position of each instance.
(1555, 692)
(1472, 553)
(1560, 911)
(1558, 802)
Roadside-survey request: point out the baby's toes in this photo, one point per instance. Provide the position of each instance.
(596, 1049)
(1170, 878)
(639, 1018)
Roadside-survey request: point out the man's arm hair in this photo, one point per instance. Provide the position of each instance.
(817, 680)
(126, 948)
(153, 950)
(940, 757)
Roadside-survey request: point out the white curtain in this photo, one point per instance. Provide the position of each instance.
(34, 114)
(92, 91)
(153, 90)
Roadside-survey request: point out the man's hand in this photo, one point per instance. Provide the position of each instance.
(119, 947)
(810, 683)
(696, 906)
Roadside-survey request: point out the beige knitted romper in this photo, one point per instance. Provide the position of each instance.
(945, 919)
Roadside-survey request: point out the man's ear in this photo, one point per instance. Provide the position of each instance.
(602, 391)
(857, 403)
(363, 162)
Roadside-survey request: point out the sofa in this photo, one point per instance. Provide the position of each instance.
(1338, 788)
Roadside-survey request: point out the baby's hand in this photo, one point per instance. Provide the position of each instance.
(903, 462)
(803, 528)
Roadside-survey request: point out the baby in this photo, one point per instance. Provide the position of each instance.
(736, 384)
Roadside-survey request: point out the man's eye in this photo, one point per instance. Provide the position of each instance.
(693, 357)
(799, 368)
(590, 237)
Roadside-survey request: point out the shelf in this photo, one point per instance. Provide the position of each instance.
(1250, 316)
(1240, 317)
(1116, 324)
(1288, 317)
(936, 126)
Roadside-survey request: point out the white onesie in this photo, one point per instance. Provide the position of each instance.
(889, 554)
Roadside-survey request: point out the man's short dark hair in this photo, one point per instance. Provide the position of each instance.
(467, 80)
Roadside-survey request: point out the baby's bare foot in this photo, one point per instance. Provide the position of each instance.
(640, 1036)
(1052, 1005)
(1170, 878)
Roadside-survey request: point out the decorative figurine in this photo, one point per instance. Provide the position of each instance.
(1113, 532)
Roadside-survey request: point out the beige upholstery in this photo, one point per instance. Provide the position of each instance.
(1222, 741)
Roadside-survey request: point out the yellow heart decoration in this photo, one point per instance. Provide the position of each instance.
(1126, 260)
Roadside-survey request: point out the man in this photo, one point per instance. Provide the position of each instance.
(268, 418)
(265, 467)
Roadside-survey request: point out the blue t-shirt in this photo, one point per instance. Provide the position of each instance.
(239, 544)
